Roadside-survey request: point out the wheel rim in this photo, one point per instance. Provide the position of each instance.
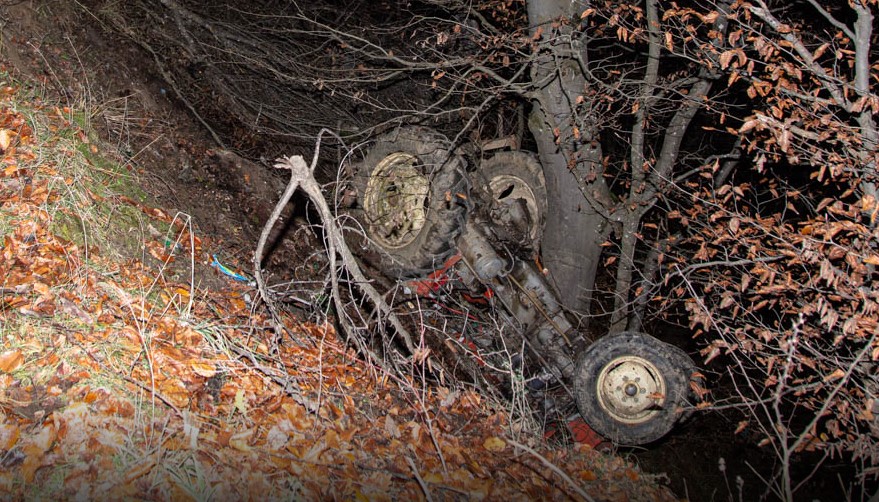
(505, 186)
(630, 389)
(395, 200)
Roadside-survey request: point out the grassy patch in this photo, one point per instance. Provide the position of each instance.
(83, 302)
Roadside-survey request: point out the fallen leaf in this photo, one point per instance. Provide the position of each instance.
(9, 435)
(206, 370)
(44, 439)
(11, 360)
(494, 444)
(140, 469)
(391, 427)
(240, 441)
(33, 460)
(279, 434)
(5, 139)
(588, 476)
(836, 375)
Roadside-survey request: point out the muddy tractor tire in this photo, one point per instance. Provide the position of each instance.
(412, 202)
(694, 379)
(632, 388)
(516, 191)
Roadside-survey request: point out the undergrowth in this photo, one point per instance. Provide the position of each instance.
(118, 380)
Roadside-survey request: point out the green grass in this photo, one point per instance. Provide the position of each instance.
(89, 211)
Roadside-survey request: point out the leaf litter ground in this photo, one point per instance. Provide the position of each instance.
(117, 382)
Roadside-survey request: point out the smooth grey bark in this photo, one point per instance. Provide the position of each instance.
(575, 226)
(866, 119)
(581, 212)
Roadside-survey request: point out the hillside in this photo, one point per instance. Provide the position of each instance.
(130, 367)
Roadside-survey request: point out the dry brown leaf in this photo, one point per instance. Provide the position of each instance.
(11, 360)
(391, 427)
(9, 435)
(836, 375)
(202, 369)
(175, 392)
(5, 139)
(241, 440)
(494, 444)
(44, 439)
(140, 469)
(33, 460)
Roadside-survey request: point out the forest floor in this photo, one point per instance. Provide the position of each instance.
(132, 368)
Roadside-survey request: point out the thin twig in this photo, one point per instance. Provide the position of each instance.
(553, 468)
(418, 478)
(151, 389)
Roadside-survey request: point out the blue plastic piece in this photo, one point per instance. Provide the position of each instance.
(227, 271)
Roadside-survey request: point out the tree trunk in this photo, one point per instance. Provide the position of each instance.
(575, 227)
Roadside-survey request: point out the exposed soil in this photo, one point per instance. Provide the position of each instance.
(177, 163)
(229, 198)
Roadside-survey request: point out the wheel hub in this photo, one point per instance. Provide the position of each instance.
(509, 188)
(395, 200)
(631, 389)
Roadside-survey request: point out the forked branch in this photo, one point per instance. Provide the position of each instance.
(302, 177)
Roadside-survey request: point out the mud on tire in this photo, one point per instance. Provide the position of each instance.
(509, 179)
(631, 387)
(412, 201)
